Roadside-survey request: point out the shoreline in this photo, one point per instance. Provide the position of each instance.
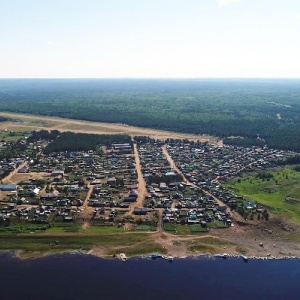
(19, 254)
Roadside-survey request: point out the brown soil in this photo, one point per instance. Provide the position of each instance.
(17, 177)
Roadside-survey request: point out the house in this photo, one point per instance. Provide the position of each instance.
(48, 196)
(74, 188)
(112, 181)
(125, 146)
(140, 211)
(250, 205)
(222, 208)
(23, 170)
(129, 199)
(56, 173)
(8, 187)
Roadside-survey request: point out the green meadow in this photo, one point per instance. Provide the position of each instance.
(280, 191)
(111, 243)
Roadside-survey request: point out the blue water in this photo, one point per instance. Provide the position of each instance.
(86, 277)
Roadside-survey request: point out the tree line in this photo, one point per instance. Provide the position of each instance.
(69, 141)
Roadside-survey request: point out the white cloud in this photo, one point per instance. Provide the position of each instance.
(298, 17)
(50, 43)
(226, 2)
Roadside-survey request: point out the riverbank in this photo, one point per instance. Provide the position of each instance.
(254, 242)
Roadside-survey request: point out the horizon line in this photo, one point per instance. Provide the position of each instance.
(152, 78)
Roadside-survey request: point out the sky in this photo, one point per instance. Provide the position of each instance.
(150, 39)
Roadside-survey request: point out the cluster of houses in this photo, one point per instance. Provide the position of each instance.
(208, 166)
(209, 216)
(57, 184)
(162, 181)
(115, 182)
(204, 163)
(10, 159)
(182, 203)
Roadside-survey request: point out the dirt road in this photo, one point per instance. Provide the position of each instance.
(87, 212)
(172, 163)
(14, 172)
(142, 190)
(88, 195)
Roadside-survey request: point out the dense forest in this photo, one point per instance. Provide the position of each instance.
(257, 110)
(69, 141)
(245, 142)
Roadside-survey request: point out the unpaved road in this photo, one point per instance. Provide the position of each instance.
(87, 212)
(172, 163)
(50, 123)
(142, 190)
(14, 172)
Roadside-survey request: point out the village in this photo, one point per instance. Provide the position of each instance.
(145, 185)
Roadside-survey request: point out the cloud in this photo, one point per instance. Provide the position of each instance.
(50, 43)
(226, 2)
(298, 17)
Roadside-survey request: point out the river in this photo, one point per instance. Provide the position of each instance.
(70, 276)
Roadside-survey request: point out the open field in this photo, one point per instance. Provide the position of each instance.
(40, 242)
(25, 176)
(31, 122)
(106, 242)
(12, 136)
(281, 192)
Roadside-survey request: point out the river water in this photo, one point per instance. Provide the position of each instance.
(70, 276)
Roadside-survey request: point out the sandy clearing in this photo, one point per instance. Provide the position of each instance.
(16, 178)
(42, 122)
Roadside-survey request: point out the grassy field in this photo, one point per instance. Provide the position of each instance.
(190, 229)
(102, 229)
(12, 136)
(281, 192)
(68, 241)
(209, 245)
(61, 237)
(145, 247)
(183, 229)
